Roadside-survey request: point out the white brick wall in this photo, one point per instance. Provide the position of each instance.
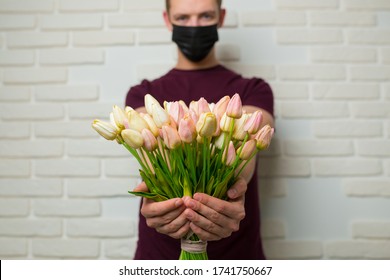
(324, 183)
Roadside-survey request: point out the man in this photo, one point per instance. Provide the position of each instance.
(232, 227)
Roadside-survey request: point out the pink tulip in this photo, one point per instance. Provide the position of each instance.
(206, 125)
(171, 137)
(176, 111)
(187, 129)
(133, 138)
(230, 157)
(194, 106)
(152, 125)
(239, 131)
(220, 108)
(252, 125)
(264, 136)
(193, 115)
(150, 142)
(247, 150)
(234, 107)
(203, 106)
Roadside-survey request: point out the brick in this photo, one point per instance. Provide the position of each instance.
(30, 227)
(11, 131)
(119, 249)
(14, 168)
(36, 76)
(347, 167)
(268, 18)
(90, 111)
(228, 52)
(318, 148)
(71, 57)
(26, 6)
(367, 188)
(100, 228)
(139, 19)
(88, 5)
(358, 250)
(373, 148)
(31, 188)
(66, 208)
(32, 112)
(154, 36)
(290, 91)
(103, 38)
(267, 72)
(287, 250)
(343, 54)
(131, 5)
(67, 93)
(309, 36)
(312, 72)
(385, 55)
(100, 187)
(15, 94)
(371, 230)
(66, 248)
(272, 187)
(272, 229)
(14, 207)
(353, 91)
(367, 5)
(36, 40)
(285, 167)
(72, 22)
(353, 19)
(13, 247)
(314, 110)
(370, 73)
(17, 58)
(121, 167)
(349, 129)
(73, 129)
(307, 4)
(371, 110)
(369, 36)
(67, 167)
(31, 149)
(17, 22)
(96, 148)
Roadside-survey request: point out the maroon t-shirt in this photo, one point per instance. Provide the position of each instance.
(212, 84)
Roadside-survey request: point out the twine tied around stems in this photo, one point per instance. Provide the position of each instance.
(196, 247)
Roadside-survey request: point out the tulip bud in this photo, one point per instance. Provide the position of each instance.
(160, 116)
(252, 125)
(176, 111)
(229, 157)
(133, 138)
(263, 137)
(119, 117)
(150, 142)
(219, 141)
(193, 115)
(220, 108)
(152, 125)
(203, 106)
(247, 150)
(239, 131)
(171, 137)
(128, 109)
(206, 125)
(136, 122)
(105, 129)
(226, 123)
(149, 101)
(234, 107)
(187, 129)
(184, 105)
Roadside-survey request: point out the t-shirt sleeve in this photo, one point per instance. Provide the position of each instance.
(259, 93)
(136, 95)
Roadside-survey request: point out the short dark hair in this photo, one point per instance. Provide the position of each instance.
(168, 4)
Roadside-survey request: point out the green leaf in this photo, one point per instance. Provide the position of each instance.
(153, 196)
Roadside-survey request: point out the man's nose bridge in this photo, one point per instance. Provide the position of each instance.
(194, 21)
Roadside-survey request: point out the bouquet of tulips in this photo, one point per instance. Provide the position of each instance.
(184, 149)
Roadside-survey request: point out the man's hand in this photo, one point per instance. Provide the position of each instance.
(166, 217)
(212, 218)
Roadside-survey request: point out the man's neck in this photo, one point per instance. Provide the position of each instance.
(184, 63)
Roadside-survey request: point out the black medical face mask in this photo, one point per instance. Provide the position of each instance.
(195, 42)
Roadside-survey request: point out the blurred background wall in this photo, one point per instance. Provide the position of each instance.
(325, 186)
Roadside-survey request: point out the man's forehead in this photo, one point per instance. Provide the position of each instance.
(193, 6)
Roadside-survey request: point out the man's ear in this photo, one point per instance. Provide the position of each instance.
(221, 20)
(168, 23)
